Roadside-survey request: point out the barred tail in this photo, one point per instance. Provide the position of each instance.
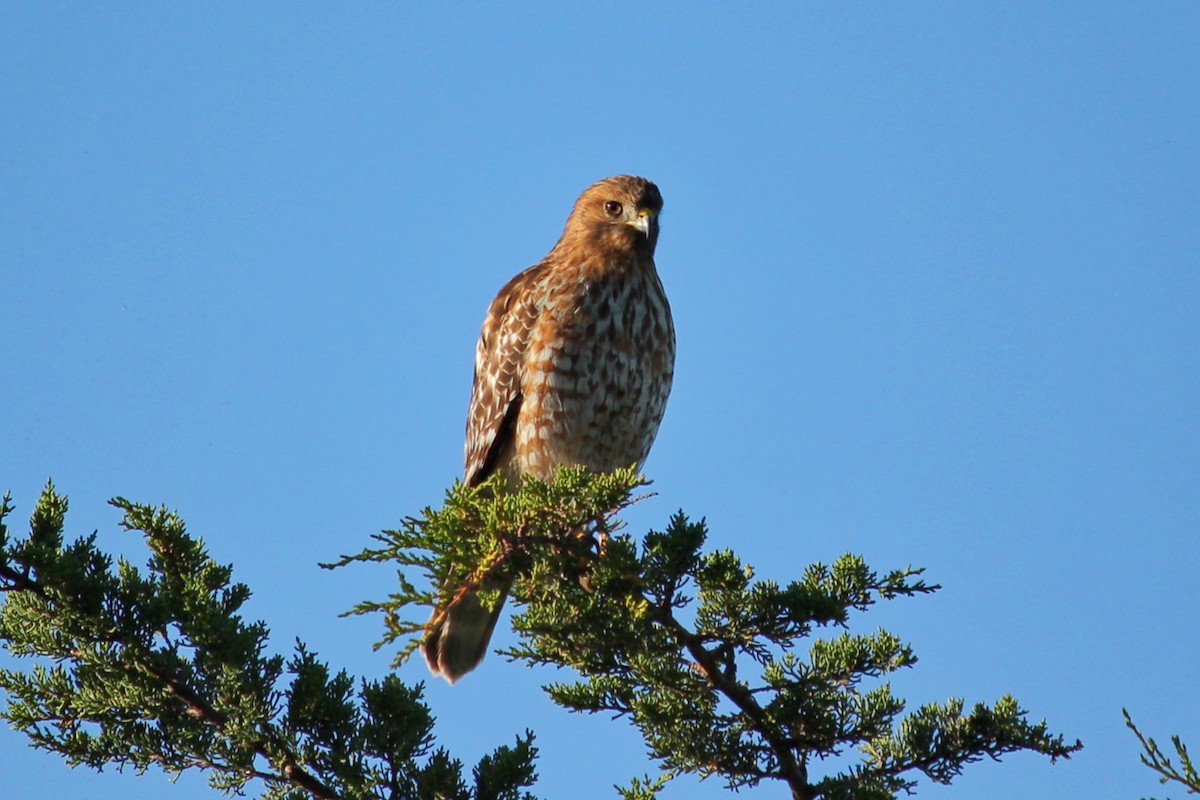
(456, 638)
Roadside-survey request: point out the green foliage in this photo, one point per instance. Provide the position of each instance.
(158, 669)
(486, 532)
(691, 648)
(1154, 758)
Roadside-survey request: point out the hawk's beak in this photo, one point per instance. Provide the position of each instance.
(646, 222)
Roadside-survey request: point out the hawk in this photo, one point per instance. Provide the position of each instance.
(573, 368)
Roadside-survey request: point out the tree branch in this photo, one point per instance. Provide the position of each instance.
(792, 771)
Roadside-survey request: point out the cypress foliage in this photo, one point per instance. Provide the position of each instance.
(724, 675)
(158, 669)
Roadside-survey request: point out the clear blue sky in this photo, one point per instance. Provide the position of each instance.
(934, 271)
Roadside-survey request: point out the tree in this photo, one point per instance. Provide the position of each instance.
(159, 670)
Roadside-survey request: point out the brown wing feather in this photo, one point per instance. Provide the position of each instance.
(499, 358)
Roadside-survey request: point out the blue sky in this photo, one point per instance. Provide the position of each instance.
(933, 270)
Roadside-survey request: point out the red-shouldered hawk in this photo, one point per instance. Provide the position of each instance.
(573, 368)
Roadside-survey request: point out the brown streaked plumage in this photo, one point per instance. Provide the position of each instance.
(573, 368)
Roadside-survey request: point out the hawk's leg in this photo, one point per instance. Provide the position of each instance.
(584, 545)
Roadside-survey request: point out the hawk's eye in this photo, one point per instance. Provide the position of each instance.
(612, 208)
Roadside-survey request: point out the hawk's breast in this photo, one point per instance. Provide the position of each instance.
(598, 371)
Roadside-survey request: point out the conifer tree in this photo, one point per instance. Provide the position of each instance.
(724, 675)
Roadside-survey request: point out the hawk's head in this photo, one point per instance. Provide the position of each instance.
(617, 215)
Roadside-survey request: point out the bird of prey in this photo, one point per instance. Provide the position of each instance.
(573, 368)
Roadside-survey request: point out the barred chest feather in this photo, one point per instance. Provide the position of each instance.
(599, 366)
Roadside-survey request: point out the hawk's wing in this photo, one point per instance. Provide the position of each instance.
(499, 360)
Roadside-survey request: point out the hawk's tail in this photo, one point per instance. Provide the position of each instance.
(456, 638)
